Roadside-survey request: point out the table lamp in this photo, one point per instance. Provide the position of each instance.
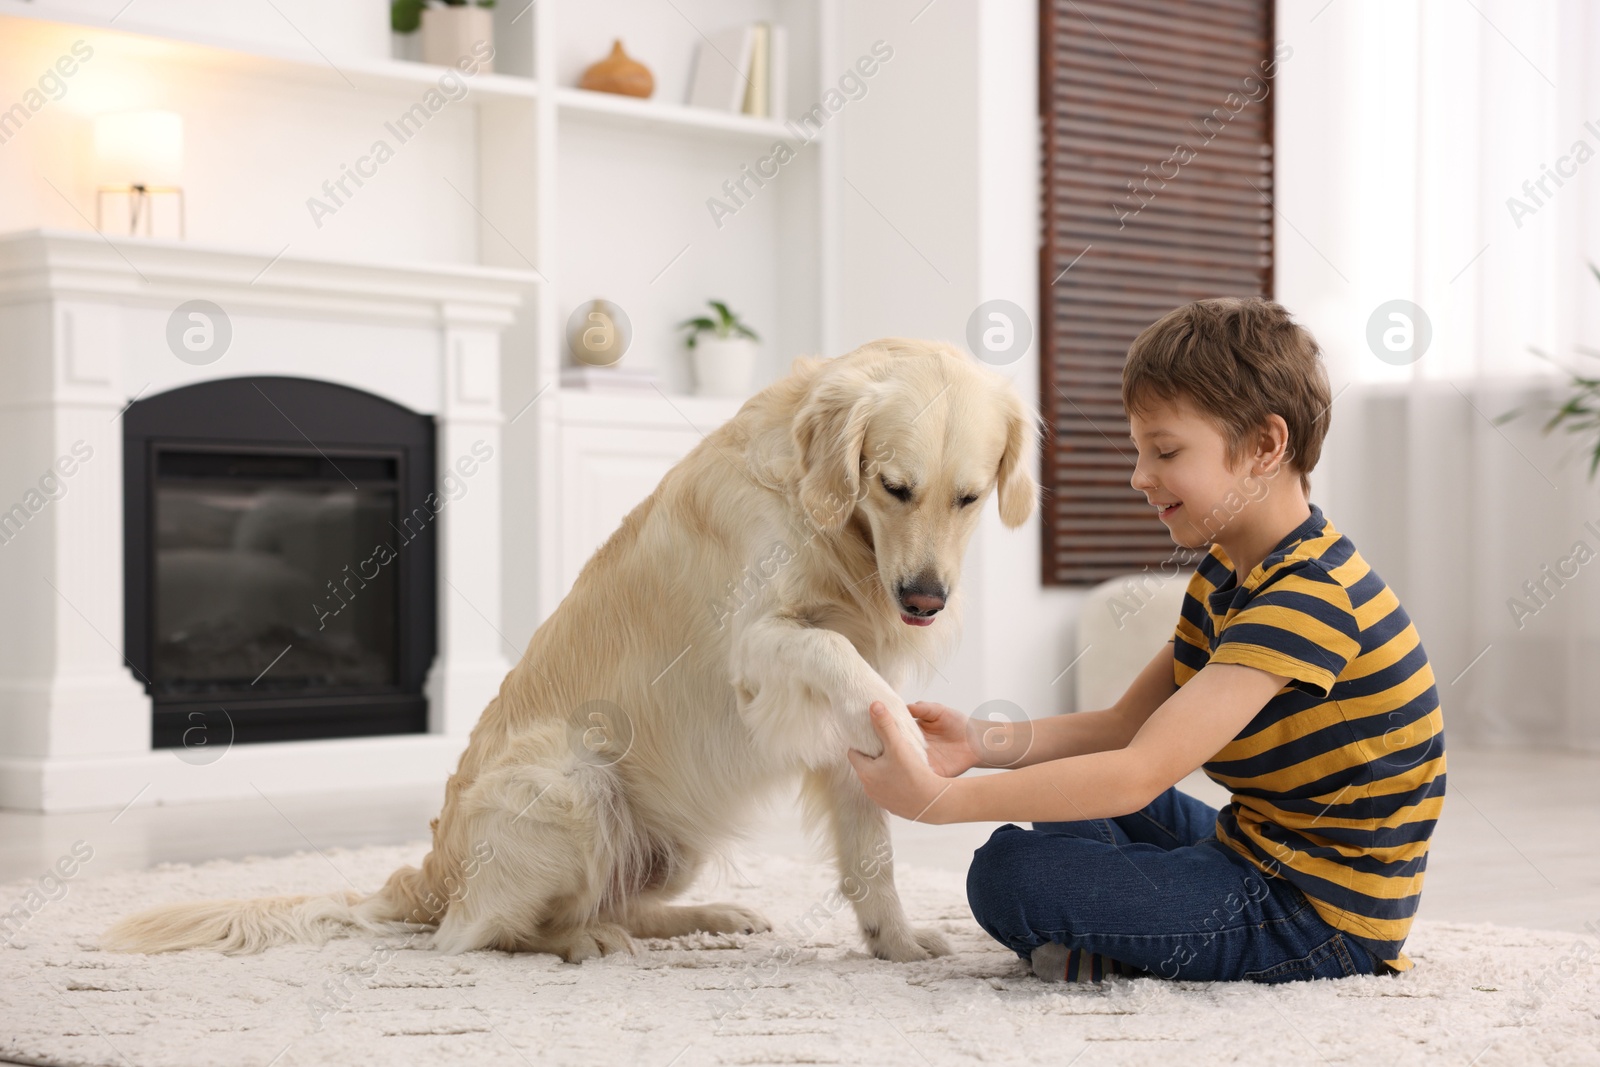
(139, 153)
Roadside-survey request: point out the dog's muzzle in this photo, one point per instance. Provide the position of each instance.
(921, 599)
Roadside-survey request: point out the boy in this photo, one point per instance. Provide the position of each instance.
(1294, 678)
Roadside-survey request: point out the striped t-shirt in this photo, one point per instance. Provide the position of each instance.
(1338, 781)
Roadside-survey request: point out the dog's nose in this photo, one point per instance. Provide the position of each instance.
(923, 595)
(922, 603)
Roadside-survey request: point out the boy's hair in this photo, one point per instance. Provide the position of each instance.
(1237, 361)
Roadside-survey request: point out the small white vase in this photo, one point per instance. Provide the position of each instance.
(723, 366)
(451, 34)
(407, 46)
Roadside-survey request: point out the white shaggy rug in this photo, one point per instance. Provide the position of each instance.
(1482, 995)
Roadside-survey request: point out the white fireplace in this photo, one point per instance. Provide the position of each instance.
(89, 324)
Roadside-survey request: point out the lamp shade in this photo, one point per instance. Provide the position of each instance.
(139, 148)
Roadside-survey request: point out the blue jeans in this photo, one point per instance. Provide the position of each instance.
(1157, 890)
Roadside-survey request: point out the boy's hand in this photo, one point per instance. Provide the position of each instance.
(898, 781)
(950, 751)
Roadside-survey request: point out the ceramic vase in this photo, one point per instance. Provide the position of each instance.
(449, 35)
(723, 366)
(619, 73)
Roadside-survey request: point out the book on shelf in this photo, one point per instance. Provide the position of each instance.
(744, 70)
(601, 379)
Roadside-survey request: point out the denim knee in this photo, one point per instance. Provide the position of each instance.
(1005, 847)
(994, 863)
(998, 865)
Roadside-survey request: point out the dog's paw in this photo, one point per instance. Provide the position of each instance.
(909, 944)
(852, 711)
(596, 939)
(732, 919)
(857, 720)
(856, 726)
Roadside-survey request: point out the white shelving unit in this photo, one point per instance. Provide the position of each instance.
(580, 105)
(599, 195)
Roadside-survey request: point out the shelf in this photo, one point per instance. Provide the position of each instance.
(646, 409)
(372, 73)
(401, 73)
(162, 45)
(628, 111)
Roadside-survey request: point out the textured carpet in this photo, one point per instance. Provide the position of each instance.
(1481, 995)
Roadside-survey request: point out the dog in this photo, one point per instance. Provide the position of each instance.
(800, 563)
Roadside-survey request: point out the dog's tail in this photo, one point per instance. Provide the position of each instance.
(243, 926)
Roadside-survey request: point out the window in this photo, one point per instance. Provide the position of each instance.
(1157, 120)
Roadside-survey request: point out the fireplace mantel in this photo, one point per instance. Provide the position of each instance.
(83, 331)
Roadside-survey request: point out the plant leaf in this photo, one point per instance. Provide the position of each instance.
(1575, 415)
(406, 15)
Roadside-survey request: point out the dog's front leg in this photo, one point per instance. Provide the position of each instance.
(804, 692)
(859, 831)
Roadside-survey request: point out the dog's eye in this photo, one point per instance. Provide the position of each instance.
(899, 492)
(970, 498)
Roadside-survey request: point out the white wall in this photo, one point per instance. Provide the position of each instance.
(1025, 637)
(909, 205)
(943, 215)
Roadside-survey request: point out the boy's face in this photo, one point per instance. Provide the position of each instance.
(1183, 469)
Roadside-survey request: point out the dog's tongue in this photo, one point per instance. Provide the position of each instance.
(912, 620)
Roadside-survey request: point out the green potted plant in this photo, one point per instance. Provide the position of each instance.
(452, 30)
(1580, 413)
(723, 349)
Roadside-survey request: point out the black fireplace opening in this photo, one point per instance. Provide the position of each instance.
(281, 555)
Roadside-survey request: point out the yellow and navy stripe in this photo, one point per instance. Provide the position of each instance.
(1338, 782)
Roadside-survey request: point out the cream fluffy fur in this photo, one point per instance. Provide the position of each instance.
(729, 636)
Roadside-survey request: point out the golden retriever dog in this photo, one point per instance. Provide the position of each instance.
(801, 562)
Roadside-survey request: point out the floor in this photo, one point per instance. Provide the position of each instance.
(1515, 844)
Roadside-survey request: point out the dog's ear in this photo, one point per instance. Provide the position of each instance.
(1015, 485)
(830, 432)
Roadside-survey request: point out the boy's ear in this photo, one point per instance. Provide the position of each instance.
(1272, 449)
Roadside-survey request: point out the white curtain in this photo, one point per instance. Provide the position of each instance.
(1491, 538)
(1449, 155)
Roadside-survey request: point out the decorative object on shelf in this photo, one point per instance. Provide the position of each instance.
(724, 351)
(598, 333)
(610, 379)
(139, 154)
(451, 29)
(619, 73)
(1580, 413)
(744, 70)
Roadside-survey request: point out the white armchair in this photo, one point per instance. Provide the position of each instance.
(1122, 624)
